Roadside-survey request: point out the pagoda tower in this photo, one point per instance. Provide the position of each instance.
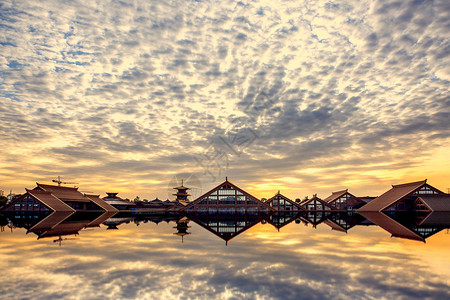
(182, 195)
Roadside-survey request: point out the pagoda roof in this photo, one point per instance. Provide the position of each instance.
(181, 188)
(396, 193)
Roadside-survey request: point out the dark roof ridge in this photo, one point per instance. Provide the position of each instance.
(57, 186)
(341, 191)
(409, 183)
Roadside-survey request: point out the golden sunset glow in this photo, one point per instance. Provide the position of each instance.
(305, 97)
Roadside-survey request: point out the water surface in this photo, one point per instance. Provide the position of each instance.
(145, 260)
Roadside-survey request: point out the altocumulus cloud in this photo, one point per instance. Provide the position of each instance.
(143, 91)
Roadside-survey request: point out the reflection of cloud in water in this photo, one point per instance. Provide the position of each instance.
(149, 262)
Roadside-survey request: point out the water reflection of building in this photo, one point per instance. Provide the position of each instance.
(344, 221)
(413, 226)
(226, 226)
(281, 218)
(57, 224)
(182, 228)
(344, 201)
(315, 217)
(403, 197)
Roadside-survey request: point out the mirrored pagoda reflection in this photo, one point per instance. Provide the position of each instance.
(182, 228)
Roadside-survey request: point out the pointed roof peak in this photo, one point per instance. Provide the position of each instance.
(410, 184)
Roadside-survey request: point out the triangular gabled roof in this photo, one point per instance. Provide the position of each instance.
(227, 185)
(315, 198)
(297, 205)
(335, 195)
(396, 193)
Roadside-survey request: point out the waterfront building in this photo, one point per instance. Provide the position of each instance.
(119, 203)
(38, 201)
(403, 197)
(344, 201)
(283, 203)
(75, 199)
(227, 198)
(432, 203)
(182, 194)
(57, 198)
(316, 204)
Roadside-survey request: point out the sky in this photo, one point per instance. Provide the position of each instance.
(299, 96)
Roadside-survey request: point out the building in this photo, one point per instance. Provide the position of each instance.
(119, 203)
(227, 198)
(432, 203)
(57, 198)
(182, 194)
(315, 204)
(37, 201)
(403, 197)
(283, 203)
(344, 201)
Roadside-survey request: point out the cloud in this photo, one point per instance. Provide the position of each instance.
(319, 83)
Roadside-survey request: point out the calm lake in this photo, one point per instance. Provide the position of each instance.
(164, 257)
